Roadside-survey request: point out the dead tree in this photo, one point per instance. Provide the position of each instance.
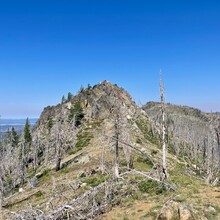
(1, 194)
(23, 161)
(125, 137)
(103, 159)
(46, 152)
(59, 145)
(217, 131)
(162, 100)
(121, 135)
(36, 146)
(58, 152)
(104, 139)
(116, 144)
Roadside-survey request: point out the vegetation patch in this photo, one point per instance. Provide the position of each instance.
(65, 170)
(96, 180)
(150, 186)
(38, 194)
(83, 139)
(142, 163)
(45, 175)
(72, 151)
(76, 113)
(147, 131)
(50, 123)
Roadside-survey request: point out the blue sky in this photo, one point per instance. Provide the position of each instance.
(48, 48)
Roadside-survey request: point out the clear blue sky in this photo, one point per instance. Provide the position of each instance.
(48, 48)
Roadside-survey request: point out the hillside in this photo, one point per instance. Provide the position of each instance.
(98, 156)
(192, 135)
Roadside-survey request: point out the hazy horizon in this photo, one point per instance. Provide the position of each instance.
(18, 124)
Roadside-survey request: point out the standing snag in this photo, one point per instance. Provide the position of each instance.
(162, 100)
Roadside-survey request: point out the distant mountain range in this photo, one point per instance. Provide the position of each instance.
(18, 124)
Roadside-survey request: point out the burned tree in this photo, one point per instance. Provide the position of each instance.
(121, 135)
(116, 144)
(36, 146)
(58, 145)
(162, 100)
(217, 131)
(125, 137)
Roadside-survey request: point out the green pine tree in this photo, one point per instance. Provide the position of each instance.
(50, 123)
(63, 100)
(12, 137)
(15, 137)
(69, 96)
(77, 113)
(27, 132)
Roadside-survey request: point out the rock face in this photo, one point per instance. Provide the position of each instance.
(191, 134)
(97, 101)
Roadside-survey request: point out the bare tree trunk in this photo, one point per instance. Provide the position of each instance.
(162, 99)
(46, 154)
(116, 161)
(164, 145)
(103, 157)
(117, 147)
(58, 163)
(59, 147)
(218, 144)
(125, 136)
(58, 154)
(1, 197)
(23, 162)
(1, 214)
(127, 151)
(121, 134)
(36, 147)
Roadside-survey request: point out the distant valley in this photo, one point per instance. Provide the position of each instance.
(18, 124)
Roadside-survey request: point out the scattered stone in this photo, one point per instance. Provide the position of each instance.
(21, 190)
(185, 213)
(210, 209)
(83, 185)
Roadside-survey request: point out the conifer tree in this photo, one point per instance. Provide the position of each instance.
(69, 96)
(13, 137)
(63, 100)
(27, 132)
